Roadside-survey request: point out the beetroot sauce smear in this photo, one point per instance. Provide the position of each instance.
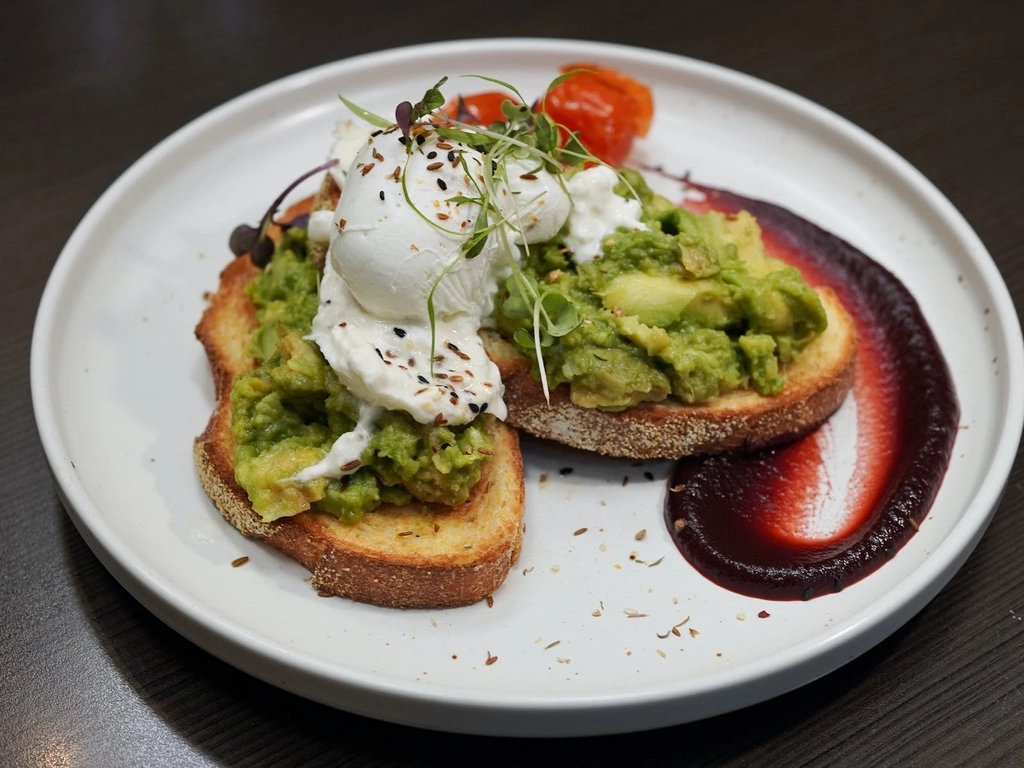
(733, 517)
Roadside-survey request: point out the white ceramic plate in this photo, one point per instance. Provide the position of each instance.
(121, 387)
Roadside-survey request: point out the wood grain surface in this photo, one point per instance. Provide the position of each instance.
(89, 677)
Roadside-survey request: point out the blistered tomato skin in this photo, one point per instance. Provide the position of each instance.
(599, 112)
(638, 94)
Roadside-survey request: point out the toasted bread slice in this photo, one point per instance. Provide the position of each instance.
(412, 556)
(816, 384)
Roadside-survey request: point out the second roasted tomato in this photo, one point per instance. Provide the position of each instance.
(483, 108)
(608, 110)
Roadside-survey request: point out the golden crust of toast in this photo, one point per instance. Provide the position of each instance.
(411, 556)
(816, 384)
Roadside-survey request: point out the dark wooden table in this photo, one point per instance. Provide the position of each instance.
(89, 677)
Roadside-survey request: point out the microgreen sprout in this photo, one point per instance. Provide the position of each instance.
(256, 241)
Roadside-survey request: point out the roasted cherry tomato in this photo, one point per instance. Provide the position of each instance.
(607, 108)
(483, 108)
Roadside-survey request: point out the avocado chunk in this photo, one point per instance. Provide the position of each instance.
(613, 379)
(662, 300)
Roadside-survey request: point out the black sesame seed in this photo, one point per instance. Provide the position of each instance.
(445, 445)
(431, 155)
(420, 138)
(451, 156)
(378, 353)
(382, 194)
(400, 332)
(808, 593)
(442, 185)
(565, 471)
(422, 380)
(377, 133)
(474, 408)
(403, 141)
(483, 407)
(649, 475)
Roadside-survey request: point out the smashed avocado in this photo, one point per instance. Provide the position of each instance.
(692, 307)
(289, 410)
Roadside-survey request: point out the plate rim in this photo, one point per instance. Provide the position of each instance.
(575, 711)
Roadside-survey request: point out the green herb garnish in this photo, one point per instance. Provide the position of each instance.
(256, 241)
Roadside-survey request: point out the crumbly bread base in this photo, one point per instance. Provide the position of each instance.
(816, 385)
(410, 556)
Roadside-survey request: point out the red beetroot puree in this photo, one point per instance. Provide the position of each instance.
(733, 517)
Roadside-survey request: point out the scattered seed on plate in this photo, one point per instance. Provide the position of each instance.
(239, 561)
